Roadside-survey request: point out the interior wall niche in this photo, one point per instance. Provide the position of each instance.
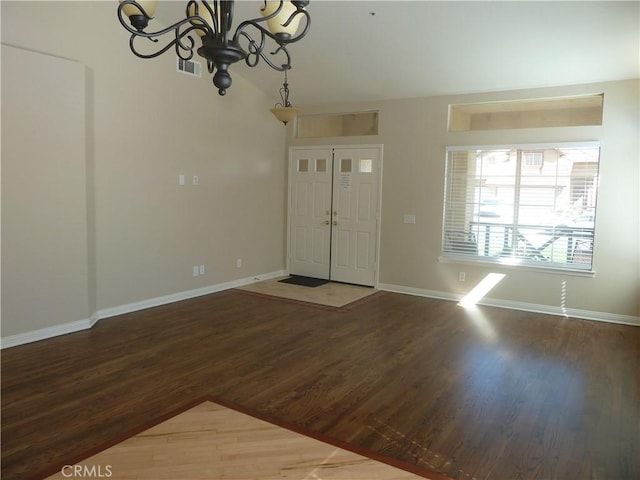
(575, 111)
(47, 260)
(337, 125)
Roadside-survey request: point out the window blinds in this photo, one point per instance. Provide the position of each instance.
(527, 205)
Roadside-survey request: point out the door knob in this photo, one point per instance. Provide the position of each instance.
(327, 212)
(327, 222)
(335, 223)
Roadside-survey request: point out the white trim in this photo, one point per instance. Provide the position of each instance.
(527, 307)
(48, 332)
(79, 325)
(446, 257)
(176, 297)
(525, 146)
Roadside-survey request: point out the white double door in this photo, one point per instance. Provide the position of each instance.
(334, 201)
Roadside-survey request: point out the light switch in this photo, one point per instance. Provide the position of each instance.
(409, 218)
(181, 179)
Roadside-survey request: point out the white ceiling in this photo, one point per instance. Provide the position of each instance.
(371, 50)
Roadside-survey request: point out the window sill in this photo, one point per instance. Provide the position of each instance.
(513, 264)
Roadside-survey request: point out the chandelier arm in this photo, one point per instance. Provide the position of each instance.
(254, 49)
(183, 50)
(257, 51)
(213, 12)
(284, 66)
(158, 52)
(202, 24)
(175, 27)
(180, 45)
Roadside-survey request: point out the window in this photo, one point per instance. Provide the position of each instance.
(524, 205)
(321, 165)
(337, 125)
(535, 113)
(303, 165)
(366, 165)
(533, 159)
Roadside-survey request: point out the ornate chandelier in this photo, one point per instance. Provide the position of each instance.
(212, 22)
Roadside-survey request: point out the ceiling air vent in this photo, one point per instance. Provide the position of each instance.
(189, 67)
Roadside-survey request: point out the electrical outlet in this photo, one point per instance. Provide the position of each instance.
(201, 269)
(239, 263)
(181, 179)
(462, 276)
(195, 180)
(196, 271)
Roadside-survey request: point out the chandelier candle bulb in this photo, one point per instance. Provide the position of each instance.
(281, 24)
(148, 7)
(139, 16)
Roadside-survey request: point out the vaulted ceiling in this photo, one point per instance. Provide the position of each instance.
(371, 50)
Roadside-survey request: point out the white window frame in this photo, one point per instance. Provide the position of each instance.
(462, 254)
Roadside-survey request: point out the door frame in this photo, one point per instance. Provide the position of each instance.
(380, 148)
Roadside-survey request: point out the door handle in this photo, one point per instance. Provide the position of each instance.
(335, 223)
(327, 222)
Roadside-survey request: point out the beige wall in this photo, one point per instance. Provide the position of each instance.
(45, 253)
(145, 125)
(414, 135)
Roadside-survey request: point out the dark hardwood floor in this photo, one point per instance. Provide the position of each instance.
(491, 394)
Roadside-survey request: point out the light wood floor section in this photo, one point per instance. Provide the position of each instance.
(210, 441)
(331, 294)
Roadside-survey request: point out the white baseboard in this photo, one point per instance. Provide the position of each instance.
(176, 297)
(527, 307)
(49, 332)
(76, 326)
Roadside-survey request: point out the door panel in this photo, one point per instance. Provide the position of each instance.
(363, 250)
(309, 213)
(320, 245)
(355, 199)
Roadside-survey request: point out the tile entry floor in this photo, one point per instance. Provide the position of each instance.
(332, 294)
